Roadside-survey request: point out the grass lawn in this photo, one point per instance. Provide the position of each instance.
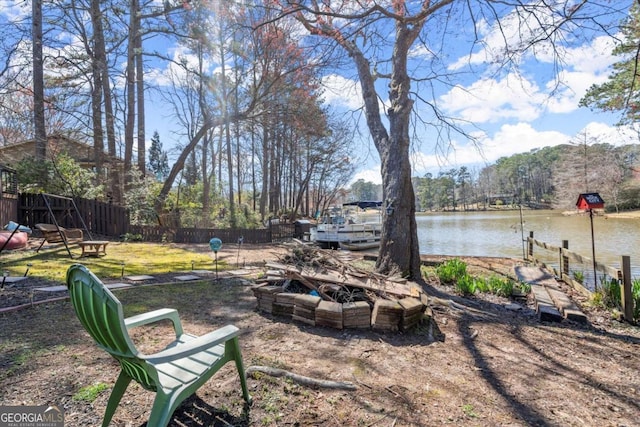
(136, 258)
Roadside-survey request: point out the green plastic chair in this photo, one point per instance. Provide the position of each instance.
(174, 373)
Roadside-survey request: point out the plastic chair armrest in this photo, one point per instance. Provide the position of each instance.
(156, 316)
(196, 345)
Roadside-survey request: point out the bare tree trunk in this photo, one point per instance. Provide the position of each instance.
(266, 172)
(227, 135)
(131, 87)
(254, 184)
(180, 161)
(236, 128)
(98, 63)
(114, 169)
(206, 181)
(38, 82)
(399, 248)
(140, 107)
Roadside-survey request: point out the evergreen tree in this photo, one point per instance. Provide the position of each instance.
(158, 159)
(621, 92)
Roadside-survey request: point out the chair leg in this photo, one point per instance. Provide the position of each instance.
(118, 390)
(162, 409)
(237, 356)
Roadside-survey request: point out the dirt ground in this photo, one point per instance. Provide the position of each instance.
(495, 364)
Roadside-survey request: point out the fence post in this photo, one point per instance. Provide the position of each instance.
(564, 260)
(626, 297)
(530, 247)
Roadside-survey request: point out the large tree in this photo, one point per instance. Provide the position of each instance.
(378, 38)
(40, 135)
(621, 92)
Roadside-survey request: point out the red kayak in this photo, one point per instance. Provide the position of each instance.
(18, 240)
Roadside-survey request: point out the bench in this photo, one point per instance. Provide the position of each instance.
(93, 247)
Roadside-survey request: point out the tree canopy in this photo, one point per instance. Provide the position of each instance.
(621, 92)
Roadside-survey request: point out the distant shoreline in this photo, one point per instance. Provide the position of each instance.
(625, 214)
(634, 214)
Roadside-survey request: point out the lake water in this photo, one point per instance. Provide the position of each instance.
(498, 233)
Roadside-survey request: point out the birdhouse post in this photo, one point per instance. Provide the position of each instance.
(591, 201)
(215, 244)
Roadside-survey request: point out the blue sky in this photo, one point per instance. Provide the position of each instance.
(507, 111)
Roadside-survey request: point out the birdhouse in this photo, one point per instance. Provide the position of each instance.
(588, 201)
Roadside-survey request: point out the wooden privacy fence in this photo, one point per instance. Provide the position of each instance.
(562, 260)
(8, 210)
(275, 233)
(106, 219)
(101, 218)
(198, 235)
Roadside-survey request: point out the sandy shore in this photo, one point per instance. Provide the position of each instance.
(626, 214)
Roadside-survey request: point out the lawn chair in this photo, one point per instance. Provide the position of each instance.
(174, 373)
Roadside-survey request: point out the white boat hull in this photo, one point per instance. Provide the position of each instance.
(331, 235)
(360, 246)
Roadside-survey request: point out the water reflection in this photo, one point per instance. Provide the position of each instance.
(499, 234)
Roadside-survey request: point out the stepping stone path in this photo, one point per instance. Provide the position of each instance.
(117, 285)
(187, 277)
(52, 288)
(64, 287)
(551, 303)
(203, 271)
(12, 279)
(139, 278)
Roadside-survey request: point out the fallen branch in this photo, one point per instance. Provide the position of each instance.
(300, 379)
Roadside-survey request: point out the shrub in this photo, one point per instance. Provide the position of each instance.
(578, 276)
(524, 288)
(451, 271)
(482, 285)
(466, 285)
(611, 293)
(635, 291)
(500, 286)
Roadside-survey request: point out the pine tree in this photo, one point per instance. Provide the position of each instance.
(621, 92)
(158, 159)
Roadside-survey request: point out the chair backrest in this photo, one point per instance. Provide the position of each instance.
(48, 227)
(101, 314)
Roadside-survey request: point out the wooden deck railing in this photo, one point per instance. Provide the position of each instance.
(564, 259)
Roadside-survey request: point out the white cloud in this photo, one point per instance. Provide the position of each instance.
(519, 138)
(183, 56)
(613, 135)
(369, 175)
(507, 35)
(519, 97)
(343, 92)
(508, 140)
(584, 66)
(490, 100)
(15, 11)
(594, 58)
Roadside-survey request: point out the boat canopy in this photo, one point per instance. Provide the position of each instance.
(364, 204)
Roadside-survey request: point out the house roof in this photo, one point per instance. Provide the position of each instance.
(80, 151)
